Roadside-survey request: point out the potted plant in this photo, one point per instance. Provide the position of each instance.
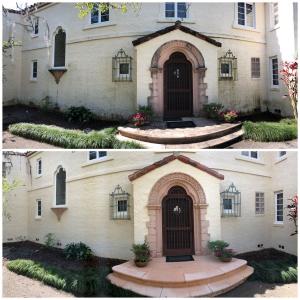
(217, 247)
(226, 255)
(141, 254)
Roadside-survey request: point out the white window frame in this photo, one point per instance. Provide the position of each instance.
(261, 197)
(122, 214)
(279, 157)
(249, 155)
(54, 198)
(124, 76)
(37, 216)
(236, 22)
(31, 70)
(275, 207)
(271, 71)
(188, 5)
(272, 16)
(53, 50)
(34, 22)
(98, 158)
(225, 75)
(228, 211)
(38, 174)
(99, 18)
(258, 67)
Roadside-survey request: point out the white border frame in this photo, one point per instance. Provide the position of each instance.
(54, 196)
(275, 208)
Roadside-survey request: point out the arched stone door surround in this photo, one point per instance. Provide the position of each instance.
(157, 194)
(162, 54)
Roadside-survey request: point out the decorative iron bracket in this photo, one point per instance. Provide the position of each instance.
(57, 73)
(58, 211)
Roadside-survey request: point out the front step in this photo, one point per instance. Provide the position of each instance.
(220, 142)
(208, 288)
(178, 135)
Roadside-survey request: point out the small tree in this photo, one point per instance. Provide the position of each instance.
(289, 75)
(293, 213)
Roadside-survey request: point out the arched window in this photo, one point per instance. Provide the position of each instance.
(60, 187)
(60, 48)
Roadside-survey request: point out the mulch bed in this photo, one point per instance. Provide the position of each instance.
(260, 117)
(52, 256)
(22, 113)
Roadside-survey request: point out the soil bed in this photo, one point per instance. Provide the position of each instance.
(260, 117)
(22, 113)
(52, 256)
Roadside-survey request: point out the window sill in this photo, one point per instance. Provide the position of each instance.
(247, 28)
(59, 206)
(38, 218)
(274, 28)
(173, 20)
(33, 80)
(38, 176)
(34, 36)
(96, 161)
(259, 215)
(282, 158)
(255, 78)
(278, 225)
(275, 89)
(98, 25)
(252, 160)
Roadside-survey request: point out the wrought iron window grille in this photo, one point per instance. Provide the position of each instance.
(228, 66)
(119, 204)
(122, 67)
(231, 202)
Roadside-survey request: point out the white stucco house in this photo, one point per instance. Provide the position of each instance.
(110, 200)
(175, 57)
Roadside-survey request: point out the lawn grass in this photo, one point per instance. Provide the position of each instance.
(72, 139)
(282, 270)
(284, 130)
(86, 282)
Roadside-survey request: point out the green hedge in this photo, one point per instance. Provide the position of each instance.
(83, 282)
(66, 138)
(270, 131)
(275, 271)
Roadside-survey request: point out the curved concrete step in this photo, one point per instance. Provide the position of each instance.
(179, 135)
(220, 142)
(211, 288)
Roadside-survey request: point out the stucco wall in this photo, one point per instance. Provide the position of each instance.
(90, 50)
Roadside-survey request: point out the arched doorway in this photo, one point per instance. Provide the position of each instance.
(178, 86)
(177, 223)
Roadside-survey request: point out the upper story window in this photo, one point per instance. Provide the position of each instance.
(39, 167)
(259, 203)
(35, 25)
(282, 153)
(250, 154)
(246, 14)
(274, 71)
(279, 207)
(176, 10)
(274, 14)
(60, 187)
(99, 16)
(34, 70)
(255, 67)
(60, 49)
(94, 155)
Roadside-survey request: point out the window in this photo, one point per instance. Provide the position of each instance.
(255, 67)
(282, 153)
(279, 207)
(259, 203)
(60, 49)
(275, 14)
(176, 10)
(228, 66)
(39, 167)
(94, 155)
(60, 184)
(274, 72)
(35, 25)
(101, 17)
(122, 66)
(250, 154)
(34, 70)
(38, 208)
(120, 208)
(231, 202)
(246, 14)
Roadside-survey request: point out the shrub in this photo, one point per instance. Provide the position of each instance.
(269, 131)
(146, 110)
(212, 110)
(141, 252)
(50, 240)
(79, 114)
(228, 116)
(74, 139)
(78, 251)
(83, 283)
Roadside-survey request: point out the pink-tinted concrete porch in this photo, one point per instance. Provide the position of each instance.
(206, 276)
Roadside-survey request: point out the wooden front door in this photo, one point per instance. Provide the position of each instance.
(177, 223)
(178, 87)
